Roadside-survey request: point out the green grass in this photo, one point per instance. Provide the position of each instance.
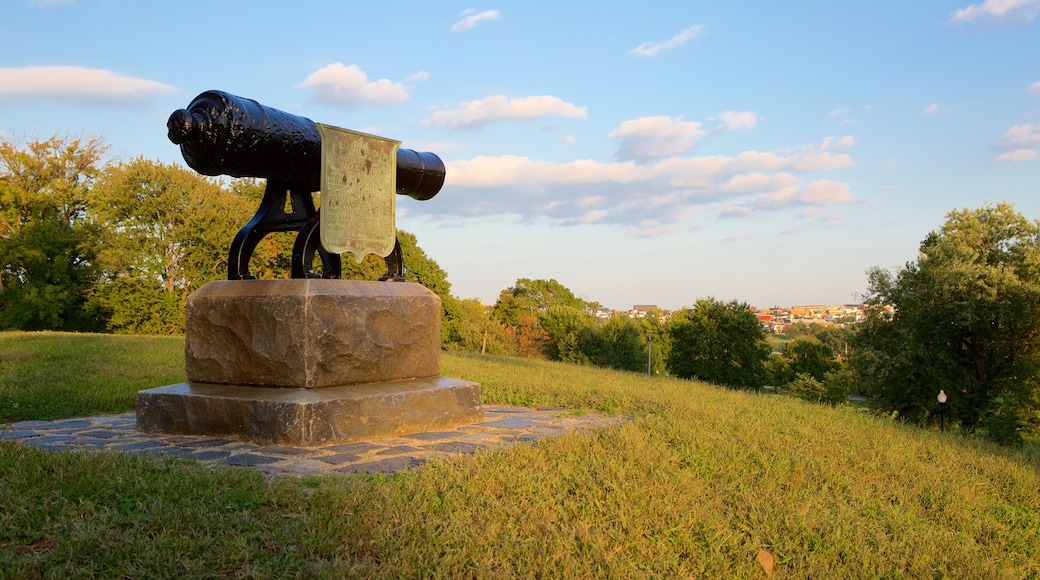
(697, 484)
(51, 375)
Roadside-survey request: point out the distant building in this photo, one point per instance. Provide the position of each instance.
(641, 310)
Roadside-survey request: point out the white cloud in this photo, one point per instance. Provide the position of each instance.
(997, 9)
(647, 199)
(475, 114)
(420, 76)
(931, 109)
(1017, 155)
(1034, 89)
(348, 86)
(1019, 143)
(752, 183)
(826, 192)
(651, 138)
(843, 142)
(76, 84)
(471, 18)
(651, 229)
(838, 112)
(567, 139)
(733, 121)
(655, 48)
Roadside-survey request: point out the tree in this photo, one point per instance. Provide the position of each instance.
(166, 233)
(804, 355)
(718, 342)
(627, 345)
(563, 324)
(832, 389)
(47, 242)
(475, 331)
(838, 338)
(520, 306)
(530, 297)
(964, 318)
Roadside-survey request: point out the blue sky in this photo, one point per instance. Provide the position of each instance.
(639, 153)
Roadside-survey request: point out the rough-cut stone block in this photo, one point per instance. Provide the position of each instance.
(310, 417)
(311, 333)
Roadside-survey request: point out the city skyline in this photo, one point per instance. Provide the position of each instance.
(651, 154)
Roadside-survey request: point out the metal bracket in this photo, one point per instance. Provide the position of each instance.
(271, 217)
(305, 219)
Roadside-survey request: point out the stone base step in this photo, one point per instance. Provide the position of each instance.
(309, 416)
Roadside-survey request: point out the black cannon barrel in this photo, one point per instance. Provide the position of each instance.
(223, 134)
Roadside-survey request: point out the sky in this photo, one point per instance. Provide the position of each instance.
(638, 153)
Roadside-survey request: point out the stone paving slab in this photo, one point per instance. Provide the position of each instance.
(502, 426)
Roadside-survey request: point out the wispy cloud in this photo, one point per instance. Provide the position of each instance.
(1034, 89)
(474, 114)
(998, 10)
(843, 142)
(348, 86)
(1019, 143)
(838, 112)
(655, 48)
(471, 18)
(931, 109)
(418, 77)
(734, 121)
(650, 138)
(77, 85)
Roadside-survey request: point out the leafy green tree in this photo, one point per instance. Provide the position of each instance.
(520, 307)
(627, 345)
(476, 331)
(832, 389)
(47, 241)
(965, 318)
(838, 338)
(796, 329)
(166, 233)
(47, 272)
(563, 324)
(718, 342)
(807, 356)
(531, 297)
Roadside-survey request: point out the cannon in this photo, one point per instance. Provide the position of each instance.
(223, 134)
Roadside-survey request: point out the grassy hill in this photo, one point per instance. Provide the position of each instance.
(702, 482)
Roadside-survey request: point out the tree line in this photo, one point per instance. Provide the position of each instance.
(118, 247)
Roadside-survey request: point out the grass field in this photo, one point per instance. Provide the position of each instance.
(702, 482)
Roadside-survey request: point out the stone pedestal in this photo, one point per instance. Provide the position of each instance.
(310, 362)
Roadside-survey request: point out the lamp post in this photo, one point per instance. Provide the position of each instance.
(649, 349)
(942, 410)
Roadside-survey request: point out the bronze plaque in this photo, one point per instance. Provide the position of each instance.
(358, 182)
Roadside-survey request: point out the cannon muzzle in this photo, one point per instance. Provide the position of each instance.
(223, 134)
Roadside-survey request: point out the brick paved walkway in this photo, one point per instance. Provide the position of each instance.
(502, 426)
